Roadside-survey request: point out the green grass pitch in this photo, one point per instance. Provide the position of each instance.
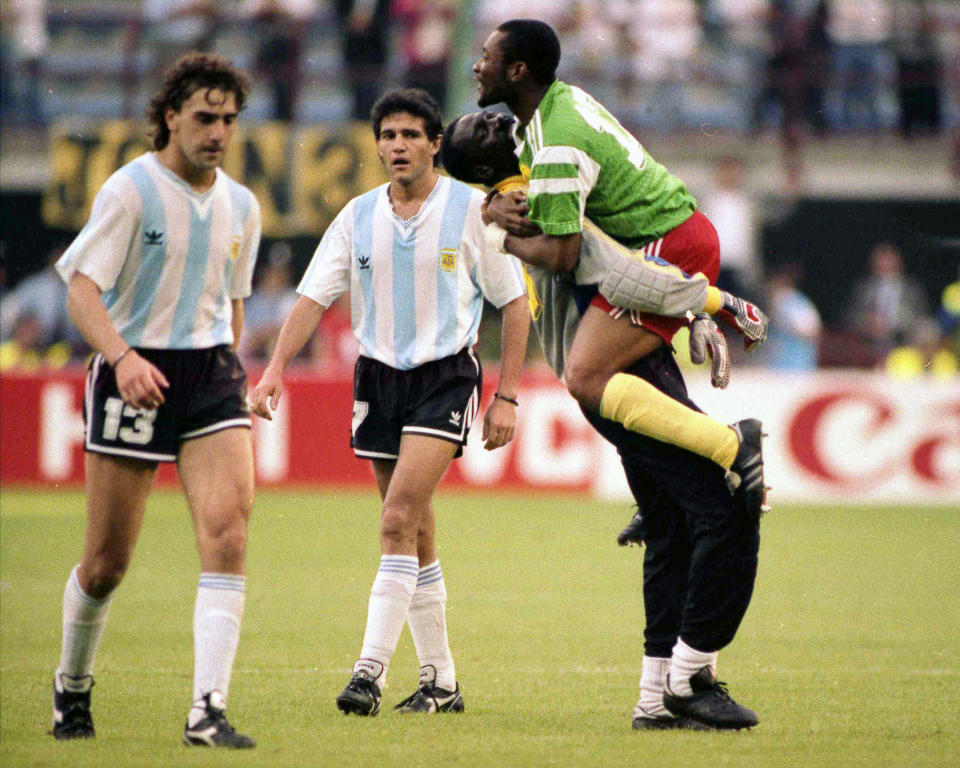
(849, 652)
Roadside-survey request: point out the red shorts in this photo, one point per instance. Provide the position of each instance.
(694, 247)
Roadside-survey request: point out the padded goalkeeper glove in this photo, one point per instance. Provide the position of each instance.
(746, 318)
(707, 340)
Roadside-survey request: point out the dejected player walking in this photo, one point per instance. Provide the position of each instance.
(156, 284)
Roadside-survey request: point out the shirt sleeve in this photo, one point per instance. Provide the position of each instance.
(498, 275)
(241, 281)
(328, 274)
(102, 247)
(561, 178)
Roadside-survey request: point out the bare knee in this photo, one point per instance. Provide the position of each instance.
(426, 546)
(227, 546)
(586, 383)
(101, 573)
(399, 526)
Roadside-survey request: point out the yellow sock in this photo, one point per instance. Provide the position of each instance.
(714, 300)
(643, 408)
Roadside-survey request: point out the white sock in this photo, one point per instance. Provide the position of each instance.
(652, 678)
(428, 626)
(84, 618)
(390, 598)
(216, 633)
(685, 663)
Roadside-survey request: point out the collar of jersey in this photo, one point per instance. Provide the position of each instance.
(183, 184)
(412, 221)
(522, 132)
(511, 183)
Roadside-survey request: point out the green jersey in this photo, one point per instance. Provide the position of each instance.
(581, 162)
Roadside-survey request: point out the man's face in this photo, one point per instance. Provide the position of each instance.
(202, 128)
(406, 151)
(490, 72)
(488, 139)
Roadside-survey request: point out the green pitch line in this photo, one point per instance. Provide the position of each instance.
(849, 652)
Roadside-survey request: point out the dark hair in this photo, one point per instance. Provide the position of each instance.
(456, 160)
(414, 101)
(186, 76)
(535, 44)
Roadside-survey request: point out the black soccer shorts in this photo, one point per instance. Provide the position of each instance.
(207, 393)
(437, 399)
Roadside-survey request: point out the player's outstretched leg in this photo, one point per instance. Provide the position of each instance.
(361, 696)
(213, 729)
(745, 476)
(429, 698)
(71, 707)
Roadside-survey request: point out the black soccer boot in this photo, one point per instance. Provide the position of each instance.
(632, 533)
(429, 698)
(745, 476)
(213, 730)
(643, 723)
(71, 707)
(361, 696)
(710, 703)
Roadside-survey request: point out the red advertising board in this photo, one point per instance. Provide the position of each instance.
(839, 437)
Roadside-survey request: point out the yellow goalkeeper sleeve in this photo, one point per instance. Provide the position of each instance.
(714, 301)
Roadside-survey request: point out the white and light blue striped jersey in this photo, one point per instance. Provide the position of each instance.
(167, 258)
(416, 285)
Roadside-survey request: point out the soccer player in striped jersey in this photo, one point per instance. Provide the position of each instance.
(156, 282)
(702, 544)
(413, 256)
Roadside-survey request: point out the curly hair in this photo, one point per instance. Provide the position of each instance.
(185, 77)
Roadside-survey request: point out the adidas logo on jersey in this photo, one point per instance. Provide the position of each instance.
(363, 262)
(154, 237)
(455, 417)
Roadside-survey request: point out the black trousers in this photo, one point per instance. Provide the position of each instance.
(700, 562)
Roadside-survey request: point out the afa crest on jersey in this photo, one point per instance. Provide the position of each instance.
(448, 259)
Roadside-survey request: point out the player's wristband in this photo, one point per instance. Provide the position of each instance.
(510, 400)
(495, 235)
(120, 357)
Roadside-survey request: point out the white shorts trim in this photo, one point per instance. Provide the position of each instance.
(93, 448)
(452, 437)
(220, 425)
(374, 455)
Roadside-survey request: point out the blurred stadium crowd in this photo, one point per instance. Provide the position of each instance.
(794, 68)
(831, 66)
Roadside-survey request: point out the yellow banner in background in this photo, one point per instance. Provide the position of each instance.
(302, 176)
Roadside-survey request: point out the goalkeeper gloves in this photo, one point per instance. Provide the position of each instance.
(706, 340)
(746, 318)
